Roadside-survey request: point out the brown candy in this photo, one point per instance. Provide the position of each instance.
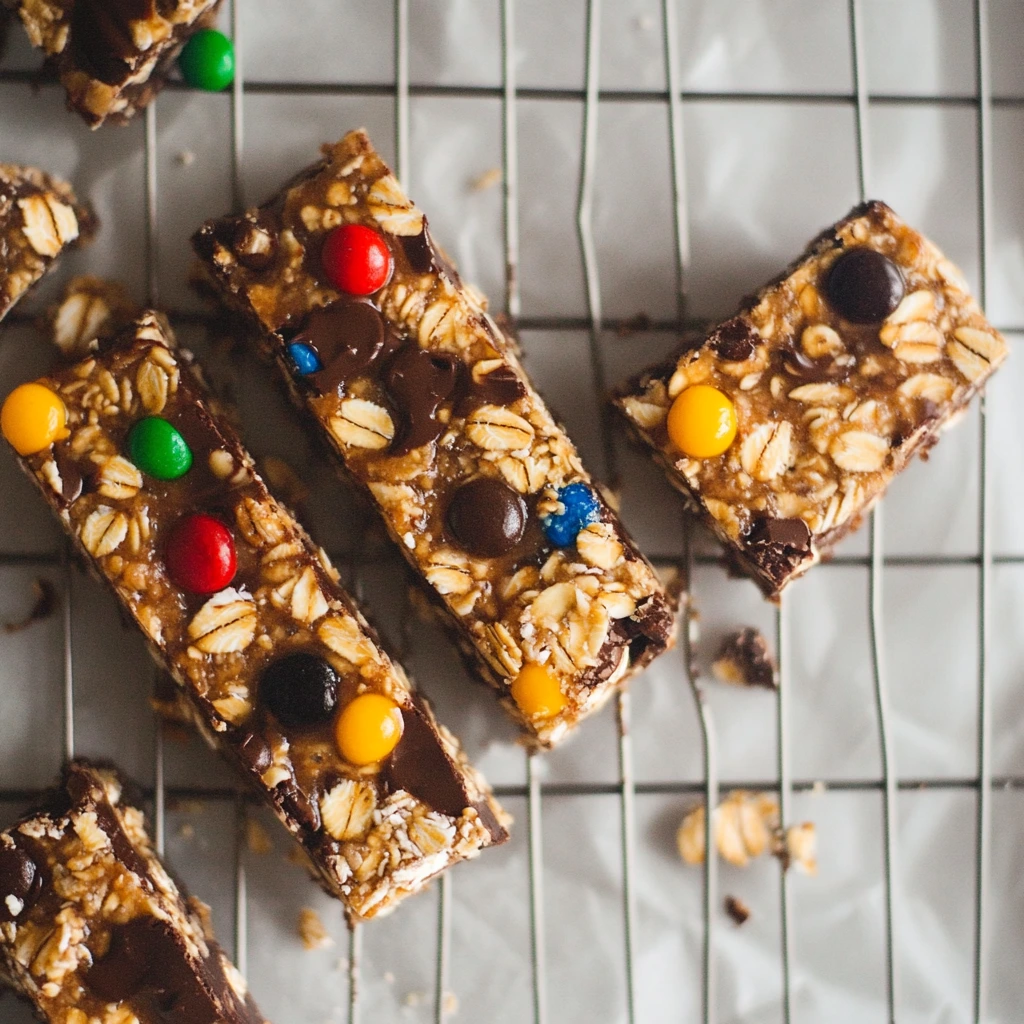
(865, 286)
(19, 879)
(486, 517)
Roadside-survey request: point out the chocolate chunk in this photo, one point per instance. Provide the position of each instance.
(425, 256)
(254, 244)
(19, 880)
(735, 340)
(779, 545)
(299, 807)
(499, 387)
(865, 286)
(737, 909)
(255, 752)
(101, 36)
(349, 337)
(744, 659)
(420, 766)
(299, 690)
(486, 517)
(418, 382)
(70, 476)
(798, 364)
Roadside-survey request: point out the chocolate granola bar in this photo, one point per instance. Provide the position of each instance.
(112, 55)
(787, 422)
(281, 672)
(420, 394)
(39, 218)
(93, 930)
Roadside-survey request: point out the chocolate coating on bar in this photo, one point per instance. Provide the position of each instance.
(865, 286)
(424, 255)
(486, 517)
(19, 878)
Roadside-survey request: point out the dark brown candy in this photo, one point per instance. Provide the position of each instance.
(421, 767)
(418, 382)
(865, 286)
(300, 689)
(255, 752)
(486, 517)
(19, 878)
(425, 256)
(735, 340)
(348, 337)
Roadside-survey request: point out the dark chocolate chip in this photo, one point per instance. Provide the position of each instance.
(70, 476)
(788, 533)
(300, 689)
(254, 245)
(865, 286)
(418, 382)
(735, 340)
(20, 878)
(798, 364)
(255, 752)
(421, 766)
(299, 807)
(425, 257)
(486, 517)
(349, 337)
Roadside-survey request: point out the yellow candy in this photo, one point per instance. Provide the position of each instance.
(369, 729)
(537, 693)
(33, 417)
(702, 422)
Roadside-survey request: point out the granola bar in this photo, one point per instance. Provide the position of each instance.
(112, 55)
(39, 218)
(786, 424)
(93, 930)
(280, 670)
(420, 394)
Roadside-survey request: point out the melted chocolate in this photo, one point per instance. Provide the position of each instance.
(70, 476)
(254, 752)
(421, 767)
(20, 878)
(735, 340)
(798, 364)
(499, 387)
(101, 37)
(418, 382)
(778, 545)
(348, 337)
(425, 257)
(254, 242)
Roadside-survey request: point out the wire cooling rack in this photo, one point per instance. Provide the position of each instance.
(708, 964)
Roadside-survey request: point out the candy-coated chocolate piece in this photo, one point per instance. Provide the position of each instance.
(300, 689)
(303, 358)
(865, 286)
(537, 693)
(486, 517)
(702, 422)
(158, 449)
(356, 259)
(201, 554)
(33, 417)
(581, 509)
(208, 60)
(369, 728)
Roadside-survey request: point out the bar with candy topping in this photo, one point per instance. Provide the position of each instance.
(39, 218)
(93, 930)
(112, 56)
(279, 669)
(787, 423)
(420, 394)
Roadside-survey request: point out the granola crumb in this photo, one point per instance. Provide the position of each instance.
(187, 831)
(312, 931)
(186, 158)
(737, 909)
(744, 660)
(414, 998)
(256, 838)
(450, 1004)
(44, 605)
(482, 182)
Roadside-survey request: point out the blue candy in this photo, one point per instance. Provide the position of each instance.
(581, 509)
(304, 358)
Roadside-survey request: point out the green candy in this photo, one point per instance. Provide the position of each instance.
(158, 449)
(208, 60)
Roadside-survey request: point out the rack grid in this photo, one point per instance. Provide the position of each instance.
(626, 788)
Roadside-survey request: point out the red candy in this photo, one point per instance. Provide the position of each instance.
(201, 554)
(356, 259)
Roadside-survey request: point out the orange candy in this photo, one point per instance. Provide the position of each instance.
(33, 417)
(537, 692)
(368, 729)
(702, 422)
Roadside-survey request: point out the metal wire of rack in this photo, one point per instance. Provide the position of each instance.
(625, 788)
